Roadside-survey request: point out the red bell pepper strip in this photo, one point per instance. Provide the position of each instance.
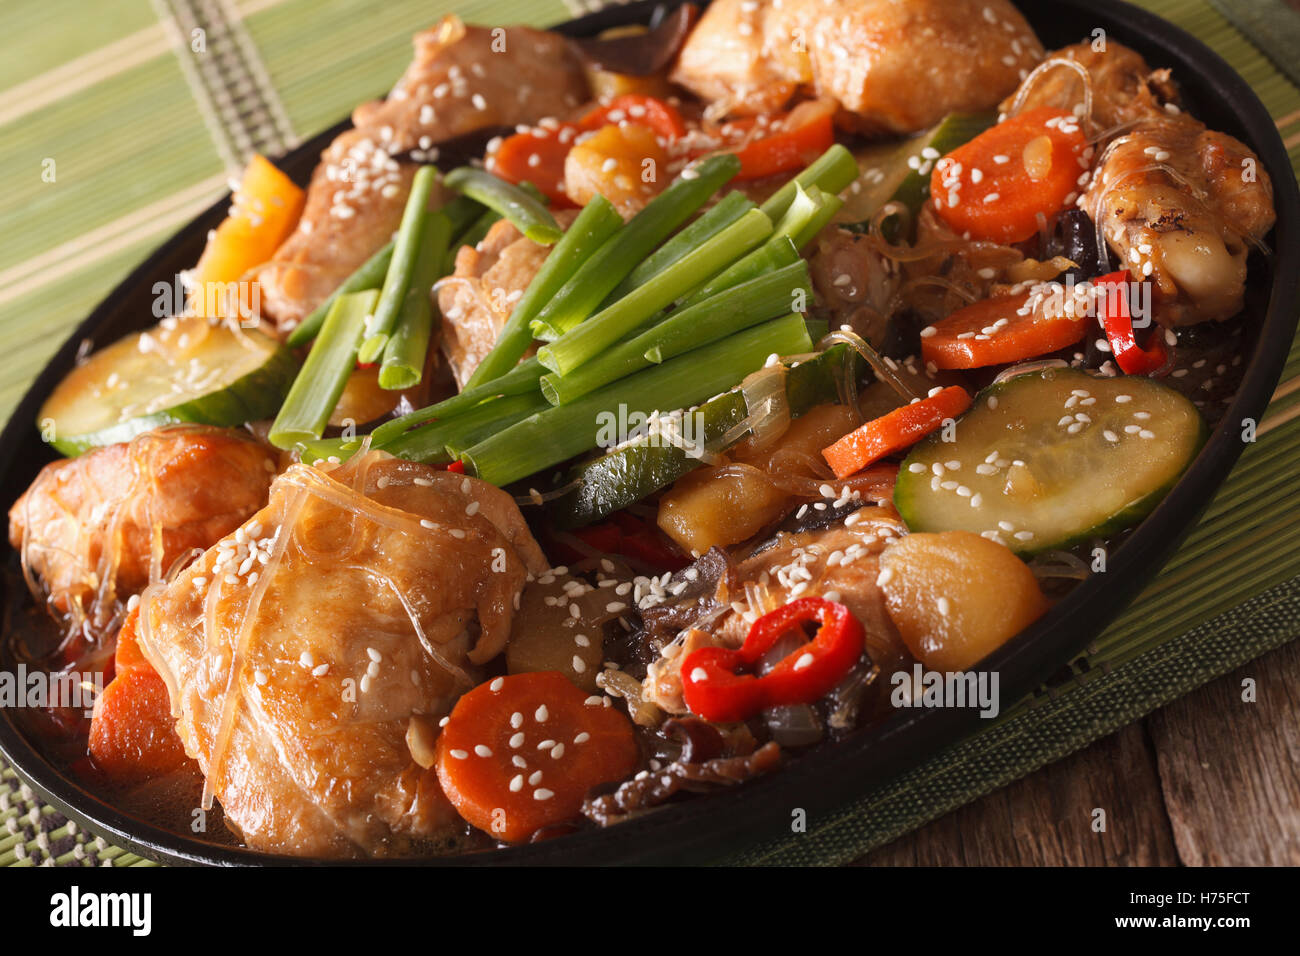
(713, 688)
(631, 537)
(1118, 324)
(643, 110)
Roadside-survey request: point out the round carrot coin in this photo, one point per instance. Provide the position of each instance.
(520, 753)
(994, 186)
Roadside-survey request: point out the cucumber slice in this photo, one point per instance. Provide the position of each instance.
(900, 171)
(1016, 472)
(182, 370)
(626, 475)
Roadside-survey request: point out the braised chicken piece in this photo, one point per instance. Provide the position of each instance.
(94, 530)
(463, 78)
(488, 281)
(1122, 86)
(309, 656)
(893, 66)
(840, 563)
(1182, 204)
(1175, 201)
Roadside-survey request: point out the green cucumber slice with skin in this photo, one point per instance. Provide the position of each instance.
(181, 370)
(1024, 478)
(890, 175)
(626, 475)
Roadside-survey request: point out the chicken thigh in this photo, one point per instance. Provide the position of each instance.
(309, 656)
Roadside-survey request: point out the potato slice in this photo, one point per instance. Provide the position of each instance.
(623, 163)
(706, 508)
(546, 636)
(956, 597)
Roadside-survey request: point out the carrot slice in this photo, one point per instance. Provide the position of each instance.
(994, 186)
(132, 733)
(536, 156)
(1003, 329)
(520, 753)
(894, 431)
(266, 209)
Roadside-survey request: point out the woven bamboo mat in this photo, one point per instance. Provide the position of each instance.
(141, 135)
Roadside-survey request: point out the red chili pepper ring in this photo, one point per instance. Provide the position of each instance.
(1118, 325)
(713, 688)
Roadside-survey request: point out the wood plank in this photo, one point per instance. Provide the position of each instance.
(1045, 819)
(1230, 770)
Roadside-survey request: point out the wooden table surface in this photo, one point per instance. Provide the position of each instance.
(1211, 779)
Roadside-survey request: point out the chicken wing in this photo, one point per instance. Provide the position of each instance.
(1176, 202)
(894, 66)
(1182, 205)
(94, 530)
(463, 78)
(309, 656)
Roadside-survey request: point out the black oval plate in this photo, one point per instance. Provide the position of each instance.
(701, 829)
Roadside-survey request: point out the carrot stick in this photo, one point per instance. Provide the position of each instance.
(894, 431)
(1000, 330)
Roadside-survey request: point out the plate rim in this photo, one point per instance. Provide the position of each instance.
(901, 741)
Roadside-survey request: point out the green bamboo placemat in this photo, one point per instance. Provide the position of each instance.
(140, 133)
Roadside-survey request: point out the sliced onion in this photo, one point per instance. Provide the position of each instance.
(1059, 564)
(966, 295)
(1025, 368)
(794, 725)
(874, 359)
(766, 405)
